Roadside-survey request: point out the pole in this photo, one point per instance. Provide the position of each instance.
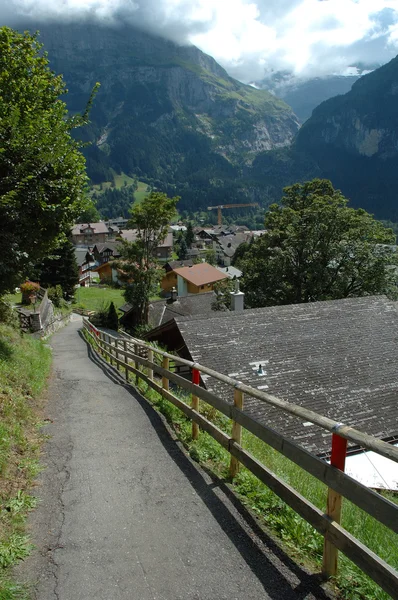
(195, 403)
(236, 433)
(334, 505)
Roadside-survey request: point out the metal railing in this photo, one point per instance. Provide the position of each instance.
(133, 355)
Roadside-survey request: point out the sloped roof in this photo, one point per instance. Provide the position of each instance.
(175, 264)
(230, 243)
(186, 306)
(230, 272)
(338, 358)
(131, 235)
(200, 274)
(100, 227)
(114, 246)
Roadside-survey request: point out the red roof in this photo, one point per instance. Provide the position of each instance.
(200, 274)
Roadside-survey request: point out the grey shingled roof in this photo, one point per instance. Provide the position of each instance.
(161, 312)
(338, 358)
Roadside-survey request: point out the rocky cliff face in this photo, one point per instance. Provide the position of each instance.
(164, 111)
(354, 140)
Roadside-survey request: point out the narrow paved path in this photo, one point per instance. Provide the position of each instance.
(126, 515)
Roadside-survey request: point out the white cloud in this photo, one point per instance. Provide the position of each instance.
(308, 37)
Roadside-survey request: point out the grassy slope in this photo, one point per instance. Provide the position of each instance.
(93, 298)
(24, 367)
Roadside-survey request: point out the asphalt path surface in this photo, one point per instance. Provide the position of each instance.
(124, 513)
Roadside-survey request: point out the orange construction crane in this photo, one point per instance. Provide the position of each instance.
(228, 206)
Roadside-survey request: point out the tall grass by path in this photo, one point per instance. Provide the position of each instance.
(24, 368)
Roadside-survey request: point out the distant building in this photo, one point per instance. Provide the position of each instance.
(230, 272)
(164, 311)
(162, 252)
(225, 246)
(88, 234)
(195, 279)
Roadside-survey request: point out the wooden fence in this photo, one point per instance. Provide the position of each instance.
(133, 356)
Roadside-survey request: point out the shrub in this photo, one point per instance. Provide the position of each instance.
(112, 318)
(55, 294)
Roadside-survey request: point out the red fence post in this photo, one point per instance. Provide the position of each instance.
(334, 504)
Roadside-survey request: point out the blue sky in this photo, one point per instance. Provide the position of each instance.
(248, 37)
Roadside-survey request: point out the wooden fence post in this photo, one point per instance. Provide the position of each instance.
(334, 504)
(117, 353)
(126, 360)
(150, 358)
(195, 403)
(165, 365)
(236, 433)
(136, 365)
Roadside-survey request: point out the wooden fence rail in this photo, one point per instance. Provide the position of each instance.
(134, 355)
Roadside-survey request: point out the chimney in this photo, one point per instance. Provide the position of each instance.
(173, 296)
(237, 298)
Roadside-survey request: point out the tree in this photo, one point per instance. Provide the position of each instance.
(189, 235)
(223, 291)
(138, 266)
(210, 256)
(42, 171)
(182, 250)
(317, 248)
(112, 318)
(60, 268)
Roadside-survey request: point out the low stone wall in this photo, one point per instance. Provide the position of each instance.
(35, 321)
(51, 327)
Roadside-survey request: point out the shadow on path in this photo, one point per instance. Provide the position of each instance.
(248, 537)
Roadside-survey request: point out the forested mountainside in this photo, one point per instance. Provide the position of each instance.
(166, 113)
(353, 139)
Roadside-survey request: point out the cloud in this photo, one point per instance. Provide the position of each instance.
(248, 37)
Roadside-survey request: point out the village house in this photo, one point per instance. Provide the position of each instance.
(195, 279)
(103, 253)
(337, 358)
(163, 311)
(225, 246)
(162, 252)
(88, 234)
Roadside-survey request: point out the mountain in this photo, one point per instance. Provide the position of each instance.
(165, 113)
(353, 139)
(303, 95)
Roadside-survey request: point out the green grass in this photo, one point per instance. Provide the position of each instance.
(24, 367)
(13, 298)
(141, 192)
(121, 181)
(94, 298)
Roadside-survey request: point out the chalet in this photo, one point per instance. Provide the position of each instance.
(162, 252)
(175, 264)
(196, 279)
(225, 246)
(103, 253)
(338, 358)
(88, 234)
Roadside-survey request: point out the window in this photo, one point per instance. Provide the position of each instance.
(202, 287)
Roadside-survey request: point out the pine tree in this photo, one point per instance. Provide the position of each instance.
(60, 269)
